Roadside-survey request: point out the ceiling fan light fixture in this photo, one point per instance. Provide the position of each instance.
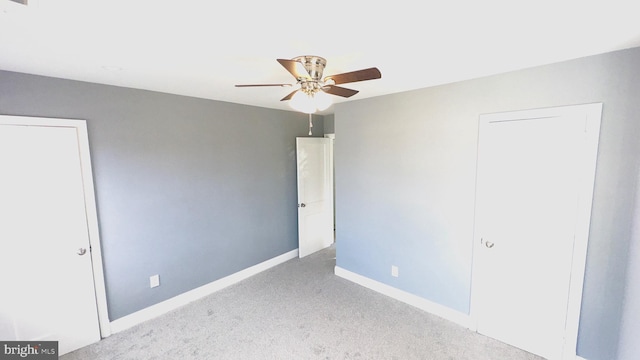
(322, 100)
(310, 102)
(303, 102)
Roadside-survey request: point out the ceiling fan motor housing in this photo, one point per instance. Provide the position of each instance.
(313, 64)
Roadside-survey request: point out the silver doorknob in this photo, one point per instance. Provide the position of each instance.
(82, 251)
(302, 205)
(488, 244)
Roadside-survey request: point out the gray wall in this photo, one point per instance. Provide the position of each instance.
(629, 344)
(329, 127)
(191, 189)
(405, 183)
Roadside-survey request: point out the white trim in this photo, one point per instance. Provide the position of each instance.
(407, 298)
(94, 234)
(175, 302)
(580, 358)
(90, 203)
(592, 114)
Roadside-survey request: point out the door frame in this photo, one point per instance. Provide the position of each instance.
(90, 204)
(332, 155)
(592, 113)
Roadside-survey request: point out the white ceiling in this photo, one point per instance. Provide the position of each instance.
(203, 48)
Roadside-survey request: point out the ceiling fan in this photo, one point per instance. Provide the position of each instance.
(307, 70)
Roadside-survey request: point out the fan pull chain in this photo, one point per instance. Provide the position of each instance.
(310, 125)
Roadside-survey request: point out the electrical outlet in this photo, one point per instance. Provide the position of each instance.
(154, 281)
(394, 271)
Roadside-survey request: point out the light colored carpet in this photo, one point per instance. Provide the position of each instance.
(298, 310)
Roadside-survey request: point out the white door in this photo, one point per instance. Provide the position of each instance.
(315, 194)
(45, 263)
(534, 188)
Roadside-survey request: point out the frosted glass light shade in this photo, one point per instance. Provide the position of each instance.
(303, 103)
(309, 104)
(322, 100)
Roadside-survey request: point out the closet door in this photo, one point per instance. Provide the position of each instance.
(534, 189)
(45, 256)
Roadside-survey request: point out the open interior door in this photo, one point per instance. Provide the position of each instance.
(315, 194)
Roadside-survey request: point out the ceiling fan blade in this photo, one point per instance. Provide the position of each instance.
(288, 97)
(340, 91)
(253, 85)
(360, 75)
(296, 68)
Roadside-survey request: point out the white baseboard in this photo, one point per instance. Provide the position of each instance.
(580, 358)
(413, 300)
(175, 302)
